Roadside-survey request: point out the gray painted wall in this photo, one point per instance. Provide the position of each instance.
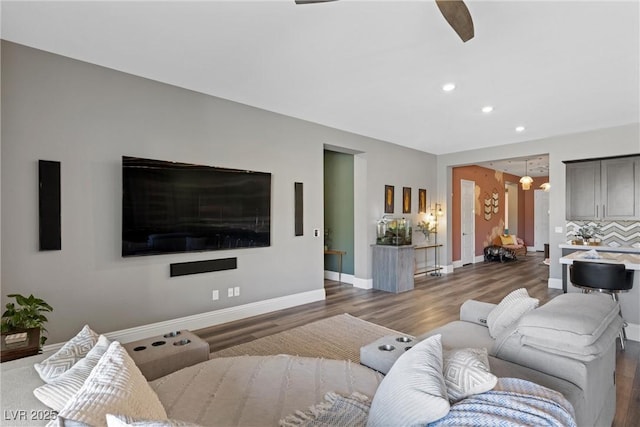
(87, 117)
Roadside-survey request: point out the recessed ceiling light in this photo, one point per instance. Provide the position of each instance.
(487, 109)
(448, 87)
(520, 129)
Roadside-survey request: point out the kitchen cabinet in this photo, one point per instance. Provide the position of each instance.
(607, 189)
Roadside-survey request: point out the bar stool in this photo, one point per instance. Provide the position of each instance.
(602, 277)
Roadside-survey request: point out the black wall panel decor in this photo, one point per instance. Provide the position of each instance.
(298, 209)
(49, 205)
(206, 266)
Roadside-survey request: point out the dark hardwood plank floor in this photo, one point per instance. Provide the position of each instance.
(434, 302)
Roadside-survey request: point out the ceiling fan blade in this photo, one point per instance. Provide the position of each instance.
(312, 1)
(458, 16)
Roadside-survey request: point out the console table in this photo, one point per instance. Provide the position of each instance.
(435, 267)
(340, 254)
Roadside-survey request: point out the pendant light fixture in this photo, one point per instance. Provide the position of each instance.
(545, 186)
(526, 180)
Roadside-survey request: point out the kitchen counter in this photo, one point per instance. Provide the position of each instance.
(600, 248)
(630, 261)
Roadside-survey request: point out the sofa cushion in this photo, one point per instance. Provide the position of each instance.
(70, 353)
(414, 391)
(115, 386)
(58, 392)
(466, 372)
(509, 311)
(559, 321)
(460, 334)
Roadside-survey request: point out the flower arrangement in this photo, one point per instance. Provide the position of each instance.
(587, 231)
(426, 228)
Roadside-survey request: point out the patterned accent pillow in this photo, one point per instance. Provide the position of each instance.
(58, 392)
(124, 421)
(466, 372)
(414, 391)
(510, 310)
(70, 353)
(115, 386)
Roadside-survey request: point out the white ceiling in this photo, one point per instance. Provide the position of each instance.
(533, 165)
(374, 68)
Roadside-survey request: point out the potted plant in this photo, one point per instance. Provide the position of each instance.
(588, 233)
(25, 314)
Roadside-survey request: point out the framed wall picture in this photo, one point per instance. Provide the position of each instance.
(406, 199)
(388, 199)
(422, 201)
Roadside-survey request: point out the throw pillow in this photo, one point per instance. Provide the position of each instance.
(70, 353)
(466, 372)
(125, 421)
(510, 310)
(115, 386)
(508, 239)
(414, 391)
(58, 392)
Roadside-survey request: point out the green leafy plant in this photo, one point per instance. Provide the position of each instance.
(25, 313)
(588, 231)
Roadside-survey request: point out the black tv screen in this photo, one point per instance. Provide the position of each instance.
(170, 207)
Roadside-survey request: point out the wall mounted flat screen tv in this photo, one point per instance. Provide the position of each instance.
(170, 207)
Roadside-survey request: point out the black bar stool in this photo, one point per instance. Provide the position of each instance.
(603, 277)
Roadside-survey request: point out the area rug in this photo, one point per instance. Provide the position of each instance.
(338, 337)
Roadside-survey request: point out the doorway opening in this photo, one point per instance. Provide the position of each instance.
(339, 216)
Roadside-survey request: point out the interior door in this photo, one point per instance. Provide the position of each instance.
(467, 221)
(540, 219)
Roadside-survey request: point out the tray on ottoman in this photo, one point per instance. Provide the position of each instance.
(164, 354)
(383, 353)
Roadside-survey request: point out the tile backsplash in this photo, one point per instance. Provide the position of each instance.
(614, 233)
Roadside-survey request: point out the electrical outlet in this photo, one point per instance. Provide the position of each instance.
(316, 232)
(230, 292)
(215, 295)
(236, 291)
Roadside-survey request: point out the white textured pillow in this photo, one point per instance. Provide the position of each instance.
(70, 353)
(58, 392)
(124, 421)
(510, 310)
(115, 386)
(414, 391)
(466, 372)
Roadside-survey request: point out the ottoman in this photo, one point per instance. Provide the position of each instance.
(383, 353)
(164, 354)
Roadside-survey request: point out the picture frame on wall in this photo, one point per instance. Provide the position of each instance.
(406, 199)
(422, 201)
(388, 198)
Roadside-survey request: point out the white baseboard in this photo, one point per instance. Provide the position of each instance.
(633, 332)
(211, 318)
(344, 278)
(457, 264)
(362, 283)
(478, 258)
(554, 283)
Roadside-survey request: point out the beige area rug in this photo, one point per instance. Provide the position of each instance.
(338, 337)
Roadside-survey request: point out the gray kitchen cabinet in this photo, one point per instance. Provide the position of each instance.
(607, 189)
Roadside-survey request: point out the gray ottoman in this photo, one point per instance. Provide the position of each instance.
(383, 353)
(164, 354)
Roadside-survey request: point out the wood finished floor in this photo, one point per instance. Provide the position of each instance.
(434, 302)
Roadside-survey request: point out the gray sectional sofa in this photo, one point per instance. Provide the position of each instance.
(568, 345)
